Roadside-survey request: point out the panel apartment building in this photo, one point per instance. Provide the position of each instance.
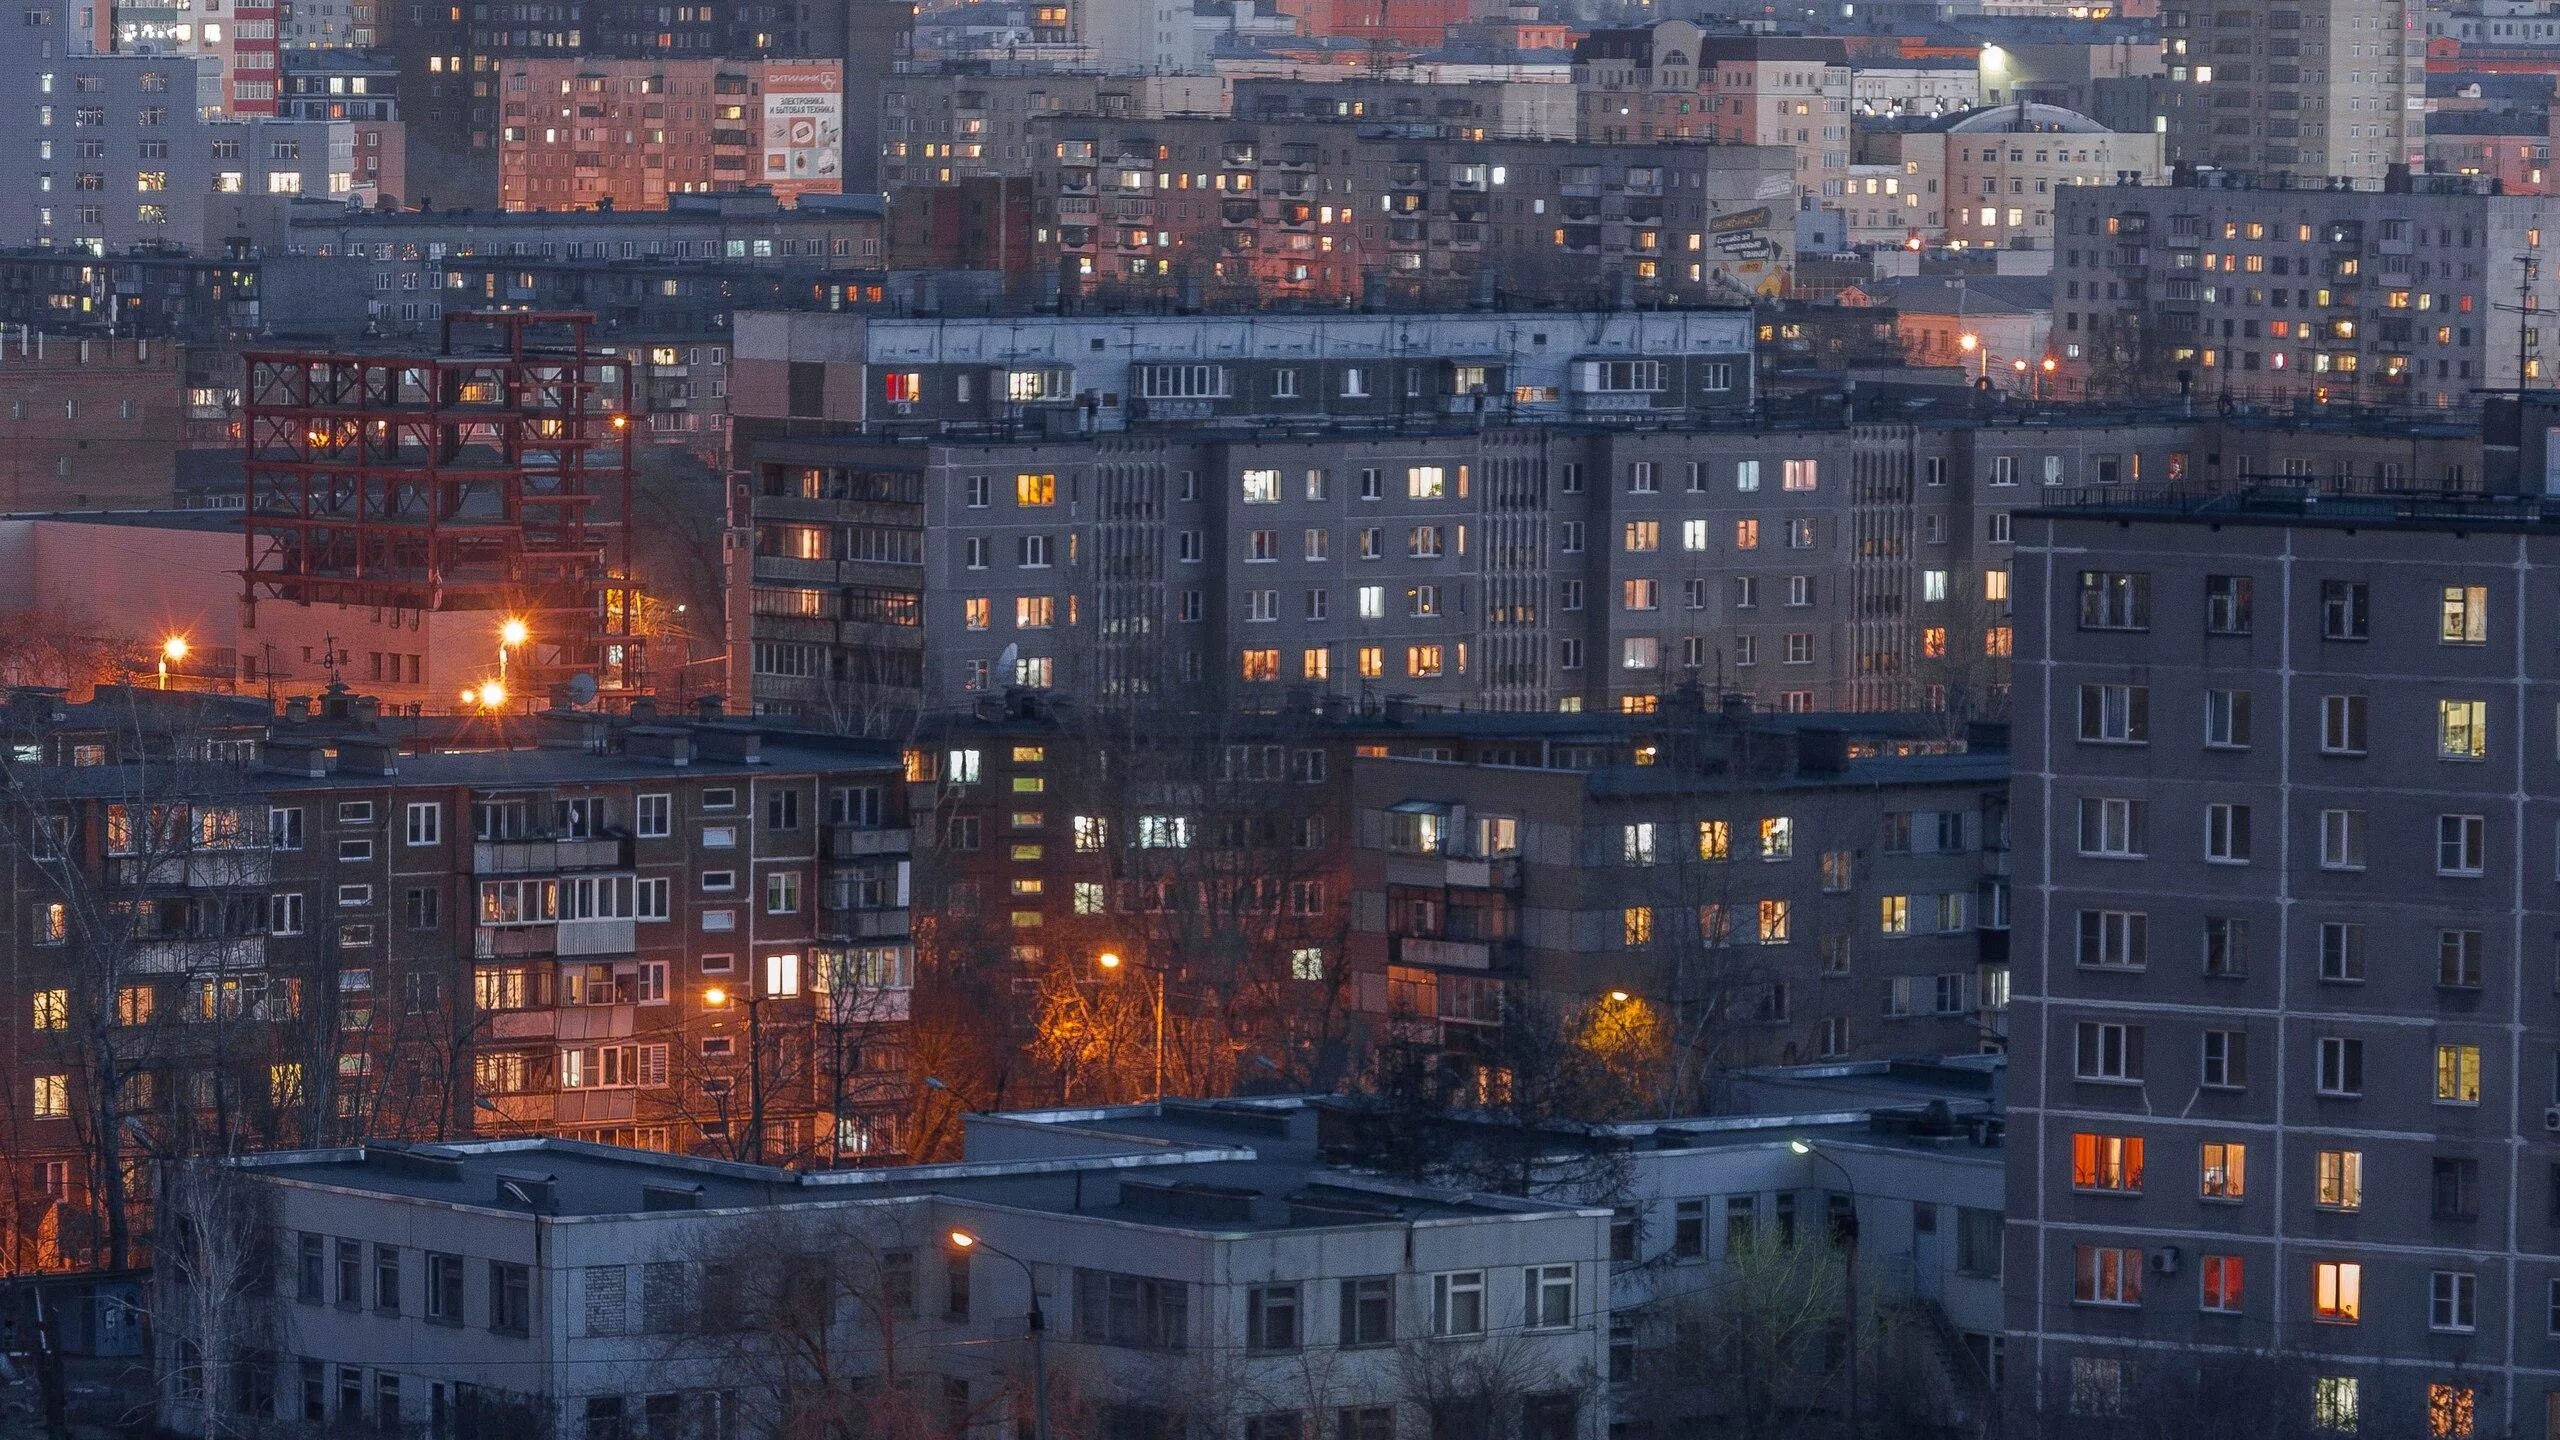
(1242, 211)
(2324, 89)
(2282, 1033)
(2402, 296)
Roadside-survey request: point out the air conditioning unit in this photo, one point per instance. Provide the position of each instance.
(2551, 1119)
(2164, 1261)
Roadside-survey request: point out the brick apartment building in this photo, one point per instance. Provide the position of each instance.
(681, 935)
(1313, 881)
(2282, 1039)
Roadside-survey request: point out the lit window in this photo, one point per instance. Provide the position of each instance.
(2337, 1292)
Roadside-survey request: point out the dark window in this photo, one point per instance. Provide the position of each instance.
(350, 1272)
(2346, 611)
(311, 1283)
(808, 390)
(510, 1298)
(1689, 1229)
(444, 1288)
(386, 1278)
(955, 1274)
(2457, 1188)
(1368, 1311)
(1271, 1318)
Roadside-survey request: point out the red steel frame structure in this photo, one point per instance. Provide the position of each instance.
(492, 475)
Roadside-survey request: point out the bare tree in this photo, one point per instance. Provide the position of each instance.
(214, 1269)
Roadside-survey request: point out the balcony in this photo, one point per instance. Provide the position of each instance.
(853, 842)
(596, 1022)
(595, 1107)
(1454, 872)
(848, 924)
(523, 1024)
(184, 956)
(533, 857)
(503, 1113)
(513, 942)
(197, 870)
(597, 937)
(1443, 954)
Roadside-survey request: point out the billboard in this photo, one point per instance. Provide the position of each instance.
(804, 129)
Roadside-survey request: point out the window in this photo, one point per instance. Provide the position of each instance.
(2114, 600)
(2226, 605)
(2337, 1292)
(2462, 729)
(2341, 1066)
(2226, 1060)
(2113, 939)
(386, 1278)
(2461, 845)
(1457, 1303)
(2221, 1282)
(2334, 1403)
(2106, 1275)
(1271, 1318)
(2457, 1074)
(444, 1289)
(2342, 839)
(2455, 1187)
(2226, 833)
(653, 816)
(2340, 1180)
(2458, 959)
(2226, 719)
(2107, 1162)
(2465, 619)
(2222, 1171)
(2345, 610)
(2115, 714)
(1547, 1297)
(2452, 1411)
(424, 823)
(2111, 827)
(2107, 1050)
(2342, 724)
(1368, 1311)
(510, 1298)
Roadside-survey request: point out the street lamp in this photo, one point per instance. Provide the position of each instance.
(172, 651)
(510, 635)
(1110, 962)
(965, 1241)
(1970, 343)
(715, 997)
(1848, 1270)
(492, 695)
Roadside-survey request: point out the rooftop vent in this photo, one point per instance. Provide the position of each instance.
(539, 1193)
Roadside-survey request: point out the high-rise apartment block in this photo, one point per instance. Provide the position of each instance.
(2282, 1035)
(2404, 296)
(2323, 89)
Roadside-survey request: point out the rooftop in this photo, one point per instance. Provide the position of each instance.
(2268, 502)
(1225, 1167)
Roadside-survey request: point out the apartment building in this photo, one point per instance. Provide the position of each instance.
(1677, 80)
(1247, 210)
(1509, 567)
(950, 122)
(670, 934)
(583, 133)
(1412, 868)
(111, 152)
(2327, 90)
(1988, 178)
(1814, 905)
(1523, 109)
(2283, 1134)
(1198, 1266)
(2400, 297)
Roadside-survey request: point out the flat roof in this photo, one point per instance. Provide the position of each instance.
(1220, 1167)
(2308, 505)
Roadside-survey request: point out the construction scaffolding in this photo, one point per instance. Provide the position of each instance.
(492, 475)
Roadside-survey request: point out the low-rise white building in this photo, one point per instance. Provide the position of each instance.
(1219, 1280)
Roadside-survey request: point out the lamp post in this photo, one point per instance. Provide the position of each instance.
(511, 634)
(172, 651)
(1971, 344)
(1110, 961)
(1848, 1271)
(965, 1241)
(718, 998)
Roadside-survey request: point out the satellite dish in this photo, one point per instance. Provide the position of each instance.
(582, 689)
(1005, 663)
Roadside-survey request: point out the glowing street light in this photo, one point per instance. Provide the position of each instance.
(493, 696)
(1110, 962)
(1619, 997)
(964, 1242)
(172, 651)
(511, 634)
(715, 997)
